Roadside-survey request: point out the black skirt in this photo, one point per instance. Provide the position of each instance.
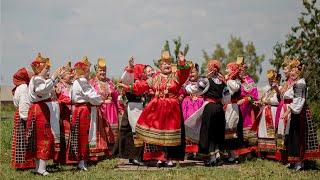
(177, 152)
(124, 147)
(295, 140)
(212, 128)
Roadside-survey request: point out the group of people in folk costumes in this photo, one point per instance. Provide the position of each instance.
(165, 115)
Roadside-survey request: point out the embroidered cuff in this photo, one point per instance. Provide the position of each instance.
(183, 65)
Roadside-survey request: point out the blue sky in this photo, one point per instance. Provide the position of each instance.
(115, 30)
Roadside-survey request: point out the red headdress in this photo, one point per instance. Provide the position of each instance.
(36, 63)
(138, 71)
(213, 64)
(80, 67)
(233, 69)
(20, 77)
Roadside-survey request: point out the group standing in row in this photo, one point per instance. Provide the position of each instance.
(165, 115)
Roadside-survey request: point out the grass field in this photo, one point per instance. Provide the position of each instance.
(254, 169)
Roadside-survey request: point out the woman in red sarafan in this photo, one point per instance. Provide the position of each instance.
(21, 81)
(43, 129)
(90, 133)
(160, 124)
(62, 90)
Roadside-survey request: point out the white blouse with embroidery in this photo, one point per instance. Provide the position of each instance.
(83, 92)
(40, 88)
(202, 86)
(127, 77)
(270, 97)
(233, 86)
(298, 92)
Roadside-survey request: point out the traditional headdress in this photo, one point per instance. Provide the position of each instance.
(36, 63)
(165, 57)
(20, 77)
(86, 61)
(286, 61)
(196, 67)
(295, 63)
(213, 64)
(101, 64)
(68, 67)
(138, 71)
(82, 67)
(273, 76)
(233, 67)
(240, 61)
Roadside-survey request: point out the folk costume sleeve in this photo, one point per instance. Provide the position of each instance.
(22, 101)
(89, 93)
(299, 96)
(43, 86)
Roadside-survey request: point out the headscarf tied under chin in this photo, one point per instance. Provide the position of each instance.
(20, 77)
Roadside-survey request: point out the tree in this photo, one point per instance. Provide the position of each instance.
(177, 46)
(303, 43)
(236, 48)
(177, 43)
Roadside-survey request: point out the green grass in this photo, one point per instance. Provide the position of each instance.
(255, 169)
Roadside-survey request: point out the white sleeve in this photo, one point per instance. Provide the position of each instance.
(226, 98)
(200, 88)
(191, 88)
(233, 86)
(299, 97)
(265, 89)
(24, 103)
(90, 94)
(127, 78)
(297, 105)
(43, 86)
(274, 99)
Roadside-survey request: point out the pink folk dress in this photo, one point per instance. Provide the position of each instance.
(110, 107)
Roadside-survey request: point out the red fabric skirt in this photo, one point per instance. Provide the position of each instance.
(79, 141)
(19, 145)
(160, 122)
(191, 147)
(80, 124)
(40, 140)
(65, 131)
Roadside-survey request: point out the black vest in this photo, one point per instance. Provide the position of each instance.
(215, 90)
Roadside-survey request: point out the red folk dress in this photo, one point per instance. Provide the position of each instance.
(160, 122)
(64, 100)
